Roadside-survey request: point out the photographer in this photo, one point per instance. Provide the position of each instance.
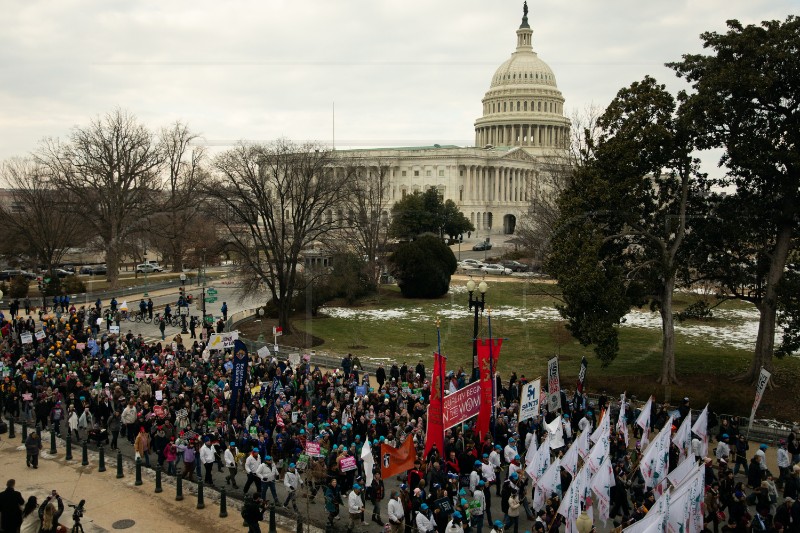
(252, 511)
(48, 513)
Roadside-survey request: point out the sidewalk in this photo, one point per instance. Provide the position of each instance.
(110, 501)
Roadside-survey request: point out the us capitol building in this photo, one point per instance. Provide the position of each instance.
(522, 123)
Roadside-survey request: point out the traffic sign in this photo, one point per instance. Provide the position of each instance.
(211, 290)
(211, 300)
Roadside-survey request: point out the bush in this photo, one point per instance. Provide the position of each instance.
(700, 310)
(73, 285)
(19, 287)
(423, 267)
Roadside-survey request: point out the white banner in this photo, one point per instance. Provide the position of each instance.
(529, 401)
(26, 338)
(553, 385)
(761, 386)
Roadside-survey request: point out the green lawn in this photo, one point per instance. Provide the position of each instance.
(703, 365)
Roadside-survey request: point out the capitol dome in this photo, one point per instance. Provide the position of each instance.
(523, 106)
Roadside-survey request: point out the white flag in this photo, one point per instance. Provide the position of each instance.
(540, 461)
(681, 472)
(643, 421)
(599, 452)
(603, 428)
(570, 460)
(683, 438)
(583, 444)
(556, 432)
(601, 485)
(653, 521)
(655, 460)
(369, 462)
(622, 422)
(700, 428)
(549, 483)
(529, 454)
(570, 506)
(761, 386)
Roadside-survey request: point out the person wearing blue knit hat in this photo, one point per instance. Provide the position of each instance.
(292, 482)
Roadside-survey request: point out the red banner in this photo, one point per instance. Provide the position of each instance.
(435, 429)
(462, 405)
(488, 367)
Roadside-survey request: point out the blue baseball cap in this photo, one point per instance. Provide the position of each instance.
(424, 506)
(498, 524)
(356, 487)
(514, 475)
(291, 465)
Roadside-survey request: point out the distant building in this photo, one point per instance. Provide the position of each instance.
(523, 122)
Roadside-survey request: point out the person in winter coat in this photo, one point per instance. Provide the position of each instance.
(375, 495)
(425, 520)
(33, 445)
(292, 482)
(333, 499)
(49, 514)
(142, 446)
(72, 423)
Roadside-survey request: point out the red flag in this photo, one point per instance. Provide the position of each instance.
(397, 460)
(487, 368)
(435, 429)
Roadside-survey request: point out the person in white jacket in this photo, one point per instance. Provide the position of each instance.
(268, 474)
(455, 524)
(229, 458)
(207, 458)
(251, 465)
(292, 482)
(396, 513)
(355, 506)
(425, 520)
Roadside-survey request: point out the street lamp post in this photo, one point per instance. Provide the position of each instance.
(145, 277)
(477, 305)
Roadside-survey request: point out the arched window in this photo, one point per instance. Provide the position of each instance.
(525, 106)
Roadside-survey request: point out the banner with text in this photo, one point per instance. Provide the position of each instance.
(761, 386)
(553, 386)
(462, 405)
(529, 400)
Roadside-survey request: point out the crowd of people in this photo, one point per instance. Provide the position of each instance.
(171, 401)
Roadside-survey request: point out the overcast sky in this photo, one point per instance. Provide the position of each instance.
(400, 72)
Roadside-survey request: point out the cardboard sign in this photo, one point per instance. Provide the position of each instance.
(294, 359)
(159, 395)
(114, 330)
(28, 397)
(263, 352)
(302, 462)
(553, 385)
(182, 413)
(529, 402)
(80, 346)
(347, 464)
(312, 449)
(140, 374)
(361, 390)
(26, 338)
(40, 335)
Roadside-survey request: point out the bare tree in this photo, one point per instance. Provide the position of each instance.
(180, 209)
(111, 168)
(365, 228)
(274, 200)
(37, 219)
(535, 229)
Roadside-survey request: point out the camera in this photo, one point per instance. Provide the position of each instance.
(79, 510)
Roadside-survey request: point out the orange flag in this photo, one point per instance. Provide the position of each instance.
(397, 460)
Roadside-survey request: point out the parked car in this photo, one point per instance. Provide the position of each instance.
(482, 246)
(470, 263)
(98, 269)
(149, 267)
(62, 273)
(515, 266)
(499, 270)
(6, 275)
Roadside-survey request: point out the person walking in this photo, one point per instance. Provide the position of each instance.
(207, 458)
(268, 474)
(33, 445)
(192, 327)
(224, 310)
(354, 507)
(188, 460)
(397, 514)
(11, 503)
(292, 482)
(251, 465)
(142, 446)
(162, 326)
(229, 458)
(150, 308)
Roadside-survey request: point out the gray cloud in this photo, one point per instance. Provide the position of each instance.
(406, 71)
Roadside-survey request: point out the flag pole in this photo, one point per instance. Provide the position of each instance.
(491, 370)
(441, 378)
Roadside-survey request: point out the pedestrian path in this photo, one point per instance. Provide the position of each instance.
(112, 503)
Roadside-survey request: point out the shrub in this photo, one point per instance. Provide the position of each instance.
(423, 267)
(73, 285)
(19, 287)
